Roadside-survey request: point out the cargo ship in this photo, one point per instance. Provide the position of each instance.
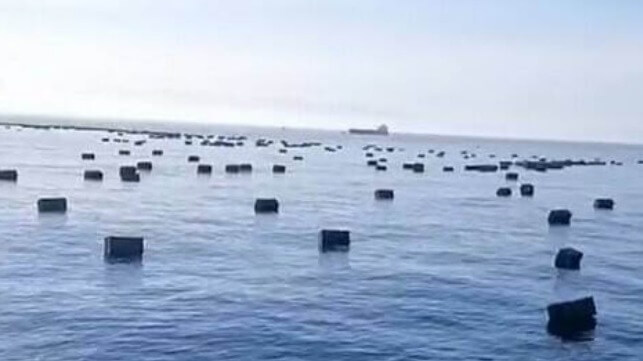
(381, 130)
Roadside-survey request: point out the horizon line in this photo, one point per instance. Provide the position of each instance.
(81, 121)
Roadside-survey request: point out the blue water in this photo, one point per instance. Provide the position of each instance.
(447, 271)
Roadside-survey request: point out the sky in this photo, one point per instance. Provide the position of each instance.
(544, 69)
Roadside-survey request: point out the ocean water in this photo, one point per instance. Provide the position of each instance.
(446, 271)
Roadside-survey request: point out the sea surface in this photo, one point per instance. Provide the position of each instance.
(446, 271)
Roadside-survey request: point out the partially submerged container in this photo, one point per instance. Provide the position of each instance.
(604, 203)
(511, 176)
(118, 248)
(232, 168)
(129, 174)
(266, 205)
(560, 217)
(279, 169)
(482, 168)
(527, 190)
(204, 169)
(93, 175)
(384, 194)
(10, 175)
(144, 165)
(245, 168)
(332, 240)
(568, 258)
(571, 318)
(52, 205)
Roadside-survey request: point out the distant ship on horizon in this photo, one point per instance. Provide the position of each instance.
(381, 130)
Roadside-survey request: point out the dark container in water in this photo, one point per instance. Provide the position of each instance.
(193, 158)
(144, 165)
(372, 163)
(381, 168)
(604, 203)
(331, 240)
(204, 169)
(511, 176)
(560, 217)
(298, 157)
(157, 152)
(418, 168)
(483, 168)
(266, 205)
(123, 248)
(52, 205)
(384, 194)
(527, 190)
(9, 175)
(503, 192)
(448, 169)
(568, 319)
(87, 156)
(129, 174)
(93, 175)
(279, 169)
(568, 258)
(123, 152)
(232, 168)
(245, 168)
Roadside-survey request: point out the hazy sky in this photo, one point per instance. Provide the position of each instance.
(552, 69)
